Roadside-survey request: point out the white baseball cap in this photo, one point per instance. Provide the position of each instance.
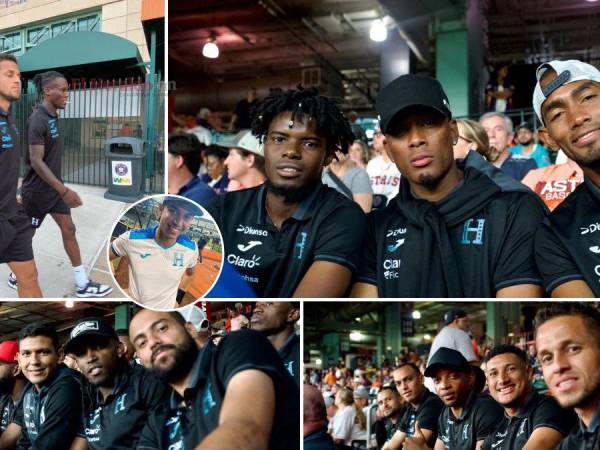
(195, 316)
(244, 140)
(566, 72)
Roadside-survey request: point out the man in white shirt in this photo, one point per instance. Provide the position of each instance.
(160, 256)
(384, 175)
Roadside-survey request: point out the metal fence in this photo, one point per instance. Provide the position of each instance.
(99, 110)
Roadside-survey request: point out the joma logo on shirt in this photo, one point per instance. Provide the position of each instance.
(299, 247)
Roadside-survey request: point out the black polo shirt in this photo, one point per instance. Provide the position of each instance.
(538, 411)
(582, 437)
(478, 419)
(10, 161)
(567, 245)
(180, 426)
(7, 410)
(50, 418)
(290, 355)
(427, 413)
(117, 422)
(327, 226)
(42, 129)
(472, 243)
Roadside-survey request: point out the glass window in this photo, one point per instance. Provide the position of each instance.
(11, 42)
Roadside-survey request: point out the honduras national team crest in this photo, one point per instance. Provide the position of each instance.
(473, 232)
(178, 259)
(53, 125)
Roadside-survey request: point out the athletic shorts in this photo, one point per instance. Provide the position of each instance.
(38, 204)
(15, 239)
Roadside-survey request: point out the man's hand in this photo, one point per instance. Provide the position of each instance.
(417, 442)
(71, 199)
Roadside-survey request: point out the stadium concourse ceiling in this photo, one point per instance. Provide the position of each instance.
(276, 39)
(16, 315)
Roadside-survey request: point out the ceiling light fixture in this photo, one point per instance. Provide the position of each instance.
(416, 315)
(69, 304)
(378, 31)
(210, 49)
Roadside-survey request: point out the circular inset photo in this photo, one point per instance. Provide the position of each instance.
(165, 252)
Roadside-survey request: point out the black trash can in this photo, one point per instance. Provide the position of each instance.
(125, 168)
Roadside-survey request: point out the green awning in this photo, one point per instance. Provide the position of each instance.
(82, 53)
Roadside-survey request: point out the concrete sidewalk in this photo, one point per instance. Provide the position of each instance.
(94, 221)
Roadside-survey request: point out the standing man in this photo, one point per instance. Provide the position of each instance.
(499, 129)
(567, 101)
(526, 146)
(242, 116)
(185, 158)
(454, 335)
(531, 420)
(422, 406)
(452, 230)
(118, 397)
(231, 396)
(467, 417)
(43, 191)
(12, 382)
(293, 236)
(277, 320)
(48, 416)
(15, 233)
(159, 257)
(383, 172)
(567, 338)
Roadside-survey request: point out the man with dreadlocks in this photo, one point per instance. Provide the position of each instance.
(293, 236)
(43, 191)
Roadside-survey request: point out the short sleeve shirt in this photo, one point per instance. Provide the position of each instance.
(42, 129)
(582, 437)
(427, 414)
(326, 226)
(479, 418)
(7, 411)
(155, 271)
(178, 427)
(10, 160)
(560, 263)
(116, 423)
(51, 418)
(290, 355)
(494, 248)
(456, 340)
(385, 177)
(538, 411)
(355, 179)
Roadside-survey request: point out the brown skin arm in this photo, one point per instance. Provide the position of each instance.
(112, 255)
(439, 445)
(36, 156)
(8, 439)
(246, 416)
(324, 279)
(79, 444)
(543, 438)
(573, 289)
(364, 290)
(521, 291)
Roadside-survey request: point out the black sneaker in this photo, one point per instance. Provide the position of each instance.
(94, 289)
(12, 281)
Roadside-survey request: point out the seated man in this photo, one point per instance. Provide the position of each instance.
(456, 228)
(531, 420)
(159, 257)
(231, 396)
(292, 236)
(566, 100)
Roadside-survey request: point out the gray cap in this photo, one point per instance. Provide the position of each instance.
(361, 392)
(244, 140)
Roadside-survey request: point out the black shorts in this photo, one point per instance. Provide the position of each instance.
(38, 204)
(15, 239)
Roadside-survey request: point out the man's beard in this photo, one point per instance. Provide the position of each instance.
(527, 143)
(291, 195)
(185, 356)
(586, 398)
(591, 159)
(6, 385)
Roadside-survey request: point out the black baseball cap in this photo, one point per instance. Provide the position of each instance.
(447, 358)
(84, 328)
(410, 90)
(454, 313)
